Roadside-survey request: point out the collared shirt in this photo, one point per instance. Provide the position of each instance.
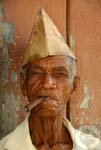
(20, 139)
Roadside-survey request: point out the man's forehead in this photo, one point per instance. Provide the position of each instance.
(53, 62)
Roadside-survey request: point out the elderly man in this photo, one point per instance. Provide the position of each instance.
(47, 80)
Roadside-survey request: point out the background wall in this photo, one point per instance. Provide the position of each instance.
(85, 39)
(79, 22)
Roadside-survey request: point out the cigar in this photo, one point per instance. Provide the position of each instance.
(35, 103)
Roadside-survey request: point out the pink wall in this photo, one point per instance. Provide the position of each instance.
(85, 40)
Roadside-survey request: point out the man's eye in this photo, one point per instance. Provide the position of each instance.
(58, 75)
(36, 73)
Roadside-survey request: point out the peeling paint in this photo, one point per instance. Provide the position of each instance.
(95, 4)
(7, 31)
(82, 118)
(11, 60)
(91, 129)
(1, 19)
(14, 76)
(4, 64)
(87, 97)
(18, 103)
(10, 102)
(6, 37)
(72, 42)
(1, 12)
(91, 1)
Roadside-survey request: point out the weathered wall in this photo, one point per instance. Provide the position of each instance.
(85, 40)
(9, 92)
(19, 16)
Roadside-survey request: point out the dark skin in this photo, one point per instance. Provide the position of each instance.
(49, 77)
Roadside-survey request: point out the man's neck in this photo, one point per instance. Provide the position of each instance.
(48, 131)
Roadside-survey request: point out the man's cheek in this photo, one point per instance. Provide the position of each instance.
(65, 94)
(33, 87)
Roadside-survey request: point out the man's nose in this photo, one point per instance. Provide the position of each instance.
(49, 82)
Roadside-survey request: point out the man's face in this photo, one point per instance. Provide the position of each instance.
(49, 77)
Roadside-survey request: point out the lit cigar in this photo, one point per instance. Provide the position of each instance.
(34, 103)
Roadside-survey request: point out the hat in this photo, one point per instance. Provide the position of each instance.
(45, 40)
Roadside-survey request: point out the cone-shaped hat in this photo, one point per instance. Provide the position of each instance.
(45, 40)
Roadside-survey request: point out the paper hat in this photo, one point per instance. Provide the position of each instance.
(45, 40)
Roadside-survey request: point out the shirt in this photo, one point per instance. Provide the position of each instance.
(20, 138)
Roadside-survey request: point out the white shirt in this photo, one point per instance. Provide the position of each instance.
(20, 139)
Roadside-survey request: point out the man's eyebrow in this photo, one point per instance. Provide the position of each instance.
(36, 67)
(60, 68)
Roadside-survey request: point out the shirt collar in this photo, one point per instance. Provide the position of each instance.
(20, 138)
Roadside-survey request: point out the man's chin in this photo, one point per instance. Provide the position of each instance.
(46, 113)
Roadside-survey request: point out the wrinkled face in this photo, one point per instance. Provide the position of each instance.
(49, 77)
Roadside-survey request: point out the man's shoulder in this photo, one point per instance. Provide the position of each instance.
(81, 140)
(16, 133)
(86, 141)
(4, 140)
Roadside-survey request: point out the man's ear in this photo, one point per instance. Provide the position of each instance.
(23, 85)
(76, 83)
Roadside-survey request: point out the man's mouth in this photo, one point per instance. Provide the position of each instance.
(46, 96)
(35, 103)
